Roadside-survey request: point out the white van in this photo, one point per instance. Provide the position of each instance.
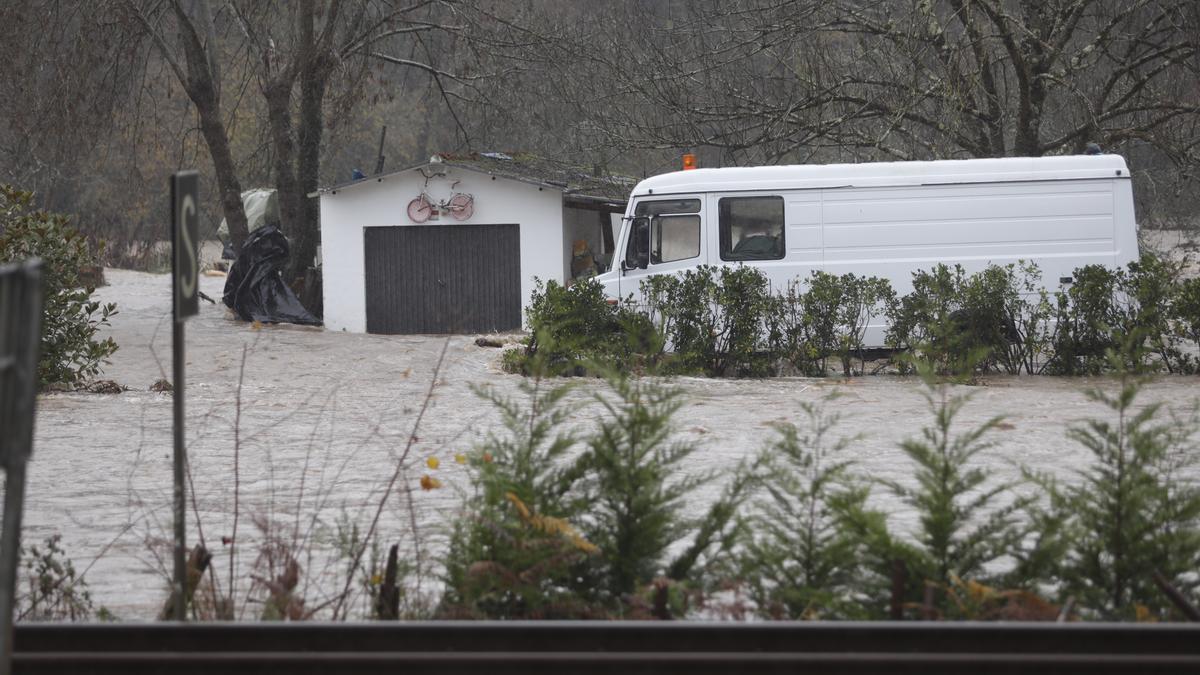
(885, 219)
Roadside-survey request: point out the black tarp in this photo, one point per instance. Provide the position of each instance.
(255, 288)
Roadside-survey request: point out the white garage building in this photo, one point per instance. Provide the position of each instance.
(454, 245)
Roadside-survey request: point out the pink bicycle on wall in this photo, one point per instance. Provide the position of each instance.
(460, 205)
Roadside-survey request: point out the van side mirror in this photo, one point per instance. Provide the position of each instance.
(637, 250)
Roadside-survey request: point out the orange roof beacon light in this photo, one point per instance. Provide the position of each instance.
(689, 161)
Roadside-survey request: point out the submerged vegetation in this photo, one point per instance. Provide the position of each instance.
(726, 322)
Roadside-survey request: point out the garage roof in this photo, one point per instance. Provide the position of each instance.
(578, 184)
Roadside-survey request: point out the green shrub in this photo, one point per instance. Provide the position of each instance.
(924, 322)
(1152, 292)
(686, 308)
(69, 351)
(725, 321)
(1186, 320)
(548, 532)
(1086, 315)
(996, 319)
(1103, 306)
(572, 326)
(789, 333)
(967, 522)
(715, 319)
(839, 309)
(1008, 314)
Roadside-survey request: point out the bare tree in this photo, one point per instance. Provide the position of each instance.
(59, 94)
(306, 50)
(775, 80)
(187, 41)
(300, 48)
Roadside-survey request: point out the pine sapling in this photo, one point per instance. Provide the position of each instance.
(966, 520)
(636, 485)
(512, 551)
(1131, 514)
(801, 561)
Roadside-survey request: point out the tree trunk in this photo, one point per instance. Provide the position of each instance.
(308, 234)
(278, 94)
(314, 79)
(228, 185)
(204, 91)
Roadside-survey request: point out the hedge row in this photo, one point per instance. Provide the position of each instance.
(727, 321)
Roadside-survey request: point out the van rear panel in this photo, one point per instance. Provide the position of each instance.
(891, 232)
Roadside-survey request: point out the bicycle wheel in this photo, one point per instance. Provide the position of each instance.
(461, 205)
(419, 209)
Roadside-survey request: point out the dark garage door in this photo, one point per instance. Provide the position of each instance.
(443, 278)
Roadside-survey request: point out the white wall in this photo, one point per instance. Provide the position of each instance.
(384, 202)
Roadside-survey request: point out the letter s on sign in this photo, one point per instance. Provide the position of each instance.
(187, 282)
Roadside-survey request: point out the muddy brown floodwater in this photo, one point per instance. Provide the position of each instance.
(324, 418)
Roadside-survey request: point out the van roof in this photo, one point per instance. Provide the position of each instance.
(884, 174)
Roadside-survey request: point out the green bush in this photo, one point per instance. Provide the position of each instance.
(789, 328)
(966, 520)
(838, 310)
(573, 326)
(1103, 307)
(726, 321)
(926, 322)
(70, 352)
(635, 482)
(1187, 320)
(1086, 315)
(996, 319)
(549, 532)
(1153, 291)
(715, 319)
(1008, 313)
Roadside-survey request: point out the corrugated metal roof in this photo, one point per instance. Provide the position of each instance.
(576, 182)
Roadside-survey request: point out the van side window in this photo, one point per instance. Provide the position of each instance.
(674, 232)
(751, 228)
(674, 238)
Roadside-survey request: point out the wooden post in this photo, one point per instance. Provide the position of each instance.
(899, 582)
(928, 611)
(1188, 609)
(197, 564)
(387, 605)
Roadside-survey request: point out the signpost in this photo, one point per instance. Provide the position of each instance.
(20, 332)
(185, 269)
